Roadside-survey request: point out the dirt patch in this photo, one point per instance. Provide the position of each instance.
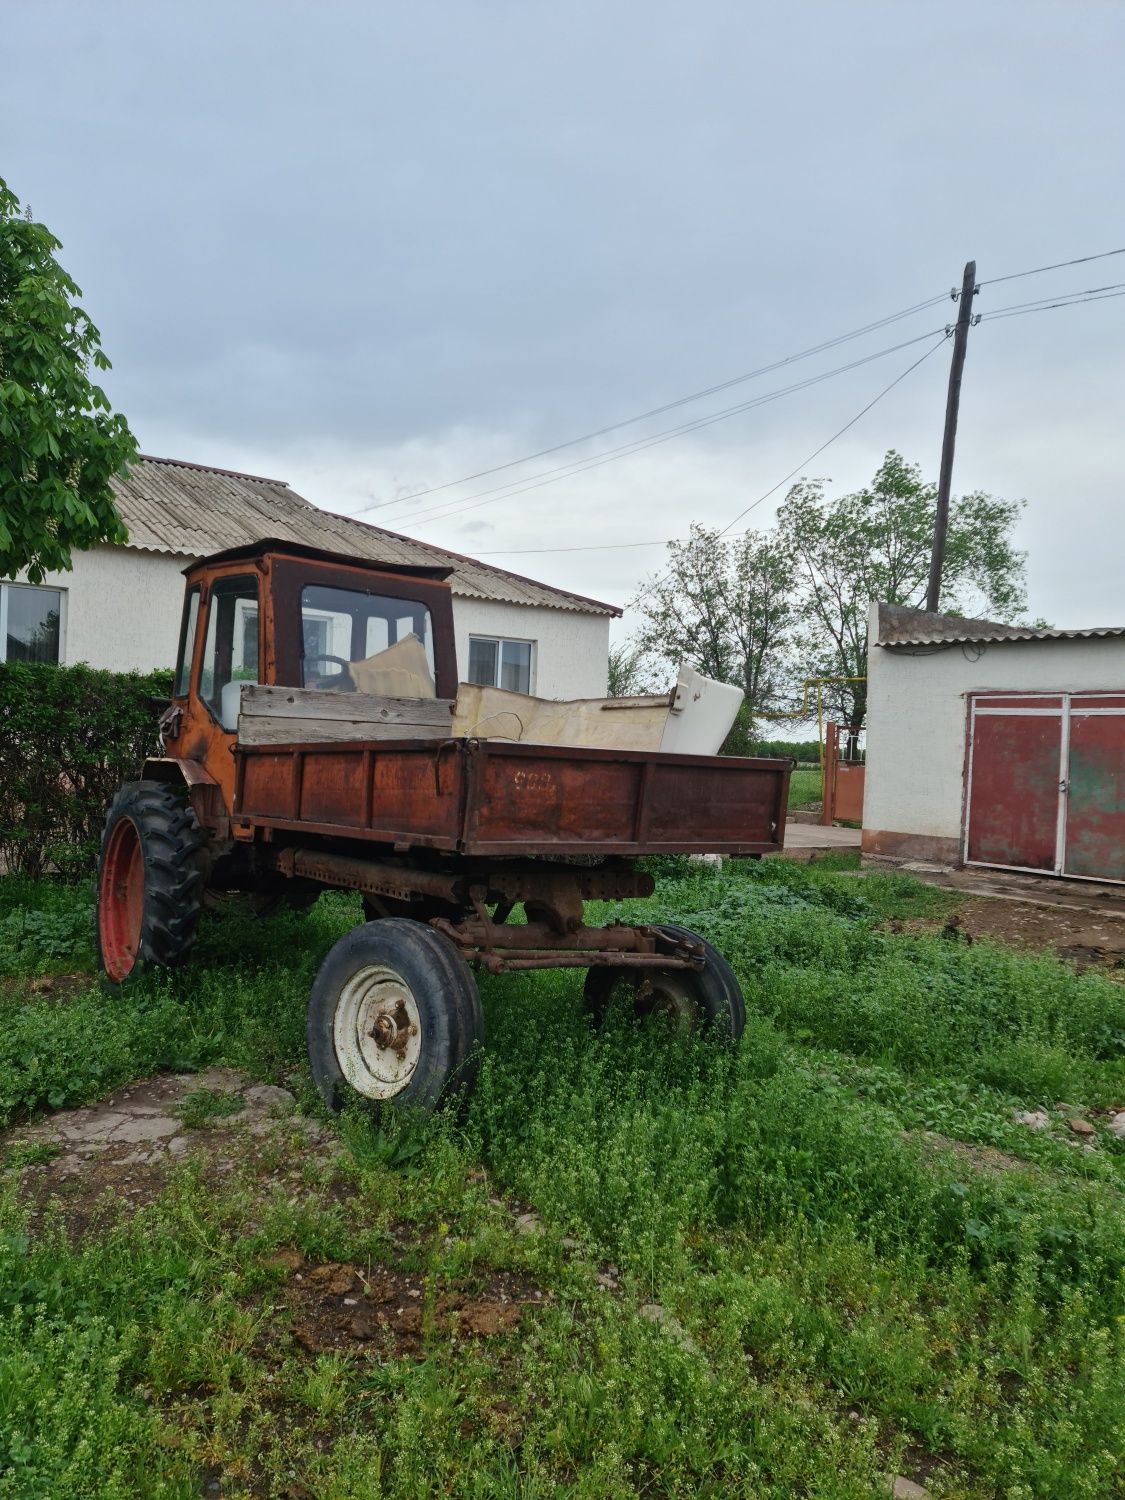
(51, 986)
(382, 1312)
(97, 1163)
(1080, 937)
(980, 1158)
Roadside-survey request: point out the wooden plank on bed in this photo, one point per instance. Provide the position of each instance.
(280, 715)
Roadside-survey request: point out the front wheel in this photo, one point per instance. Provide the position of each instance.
(394, 1015)
(708, 999)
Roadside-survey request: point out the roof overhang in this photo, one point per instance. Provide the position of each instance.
(901, 626)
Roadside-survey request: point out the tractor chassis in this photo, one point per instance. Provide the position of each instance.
(470, 905)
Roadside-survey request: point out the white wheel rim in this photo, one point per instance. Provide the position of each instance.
(377, 1032)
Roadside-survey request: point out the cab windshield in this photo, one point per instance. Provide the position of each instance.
(368, 643)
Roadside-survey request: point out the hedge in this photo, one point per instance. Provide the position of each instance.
(68, 737)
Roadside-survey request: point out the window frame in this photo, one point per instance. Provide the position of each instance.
(500, 641)
(221, 584)
(290, 575)
(185, 660)
(49, 588)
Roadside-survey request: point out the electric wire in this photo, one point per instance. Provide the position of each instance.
(657, 411)
(660, 578)
(1059, 265)
(563, 471)
(1021, 310)
(726, 384)
(613, 546)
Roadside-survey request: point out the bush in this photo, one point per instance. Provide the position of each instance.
(68, 737)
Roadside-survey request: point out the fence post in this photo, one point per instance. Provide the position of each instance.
(828, 775)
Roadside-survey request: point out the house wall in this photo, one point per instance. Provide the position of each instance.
(917, 719)
(121, 608)
(122, 611)
(571, 655)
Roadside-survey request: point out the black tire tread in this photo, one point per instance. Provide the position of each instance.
(720, 1001)
(173, 848)
(441, 977)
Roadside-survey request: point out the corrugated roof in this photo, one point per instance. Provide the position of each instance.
(902, 626)
(191, 510)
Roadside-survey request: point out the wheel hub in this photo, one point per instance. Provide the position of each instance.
(393, 1029)
(377, 1032)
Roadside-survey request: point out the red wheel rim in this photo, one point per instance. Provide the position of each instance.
(121, 900)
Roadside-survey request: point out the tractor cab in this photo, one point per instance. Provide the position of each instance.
(286, 615)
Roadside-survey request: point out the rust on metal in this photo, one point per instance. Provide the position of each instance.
(554, 958)
(540, 945)
(842, 782)
(465, 828)
(500, 799)
(1046, 783)
(392, 1031)
(342, 871)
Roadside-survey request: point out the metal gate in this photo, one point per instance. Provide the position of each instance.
(841, 781)
(1046, 784)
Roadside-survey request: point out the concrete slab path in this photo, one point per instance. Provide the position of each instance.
(814, 836)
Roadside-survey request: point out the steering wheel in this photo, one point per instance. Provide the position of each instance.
(337, 682)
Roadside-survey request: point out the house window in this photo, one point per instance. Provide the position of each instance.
(499, 663)
(30, 623)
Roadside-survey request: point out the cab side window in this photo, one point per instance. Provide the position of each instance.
(230, 649)
(187, 642)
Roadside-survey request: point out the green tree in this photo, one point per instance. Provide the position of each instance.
(630, 673)
(874, 547)
(727, 608)
(60, 442)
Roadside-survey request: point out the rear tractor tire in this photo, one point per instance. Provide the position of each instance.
(151, 874)
(708, 1000)
(394, 1016)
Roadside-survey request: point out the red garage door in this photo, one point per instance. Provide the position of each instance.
(1095, 794)
(1047, 783)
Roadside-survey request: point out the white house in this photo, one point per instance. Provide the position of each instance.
(120, 607)
(994, 745)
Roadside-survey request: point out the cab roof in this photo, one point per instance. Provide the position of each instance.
(251, 551)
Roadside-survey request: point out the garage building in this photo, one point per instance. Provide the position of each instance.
(995, 745)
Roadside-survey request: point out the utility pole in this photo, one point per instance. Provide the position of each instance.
(952, 401)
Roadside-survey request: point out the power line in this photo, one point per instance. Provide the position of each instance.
(562, 471)
(1059, 265)
(816, 454)
(578, 466)
(724, 385)
(584, 547)
(657, 411)
(1020, 310)
(614, 546)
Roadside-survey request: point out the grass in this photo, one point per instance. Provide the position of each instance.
(199, 1107)
(849, 1285)
(804, 785)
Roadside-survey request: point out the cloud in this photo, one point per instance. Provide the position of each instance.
(372, 254)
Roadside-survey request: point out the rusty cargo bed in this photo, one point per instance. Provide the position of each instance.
(491, 797)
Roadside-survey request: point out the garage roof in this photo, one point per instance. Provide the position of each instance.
(192, 510)
(899, 625)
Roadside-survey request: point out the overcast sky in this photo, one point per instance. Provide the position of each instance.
(370, 248)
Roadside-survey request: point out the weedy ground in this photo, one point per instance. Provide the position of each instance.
(804, 785)
(631, 1266)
